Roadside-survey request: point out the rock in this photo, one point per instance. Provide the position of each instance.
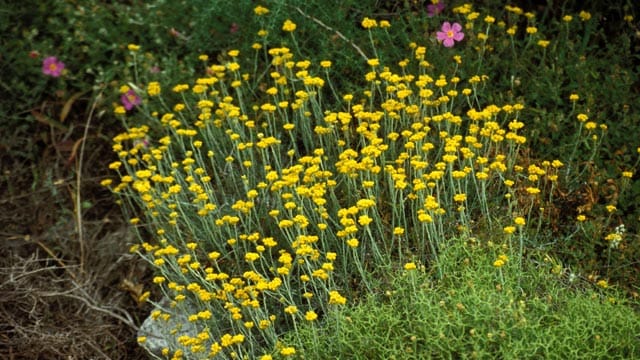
(158, 331)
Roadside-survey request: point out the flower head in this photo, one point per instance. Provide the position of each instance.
(435, 9)
(260, 10)
(450, 33)
(52, 66)
(289, 26)
(130, 99)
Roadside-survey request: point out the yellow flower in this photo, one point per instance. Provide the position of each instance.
(603, 284)
(460, 197)
(260, 10)
(288, 351)
(310, 315)
(336, 299)
(533, 190)
(627, 174)
(291, 309)
(133, 47)
(153, 89)
(385, 24)
(289, 26)
(584, 16)
(373, 62)
(567, 18)
(144, 297)
(509, 229)
(251, 256)
(325, 64)
(520, 221)
(369, 23)
(611, 208)
(410, 266)
(364, 220)
(581, 218)
(501, 260)
(424, 217)
(543, 43)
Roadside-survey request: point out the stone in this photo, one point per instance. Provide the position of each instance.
(158, 331)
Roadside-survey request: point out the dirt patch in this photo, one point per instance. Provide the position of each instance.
(65, 294)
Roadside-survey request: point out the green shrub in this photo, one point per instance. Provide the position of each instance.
(478, 311)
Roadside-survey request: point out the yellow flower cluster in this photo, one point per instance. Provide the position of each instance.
(263, 205)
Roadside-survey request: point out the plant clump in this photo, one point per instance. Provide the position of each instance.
(270, 198)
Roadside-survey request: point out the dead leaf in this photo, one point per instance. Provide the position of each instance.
(74, 150)
(67, 106)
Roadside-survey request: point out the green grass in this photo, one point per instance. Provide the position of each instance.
(479, 312)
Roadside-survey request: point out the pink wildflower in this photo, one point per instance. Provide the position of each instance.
(52, 66)
(130, 99)
(435, 9)
(450, 33)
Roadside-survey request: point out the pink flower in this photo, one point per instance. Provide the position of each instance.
(130, 99)
(450, 34)
(52, 66)
(435, 9)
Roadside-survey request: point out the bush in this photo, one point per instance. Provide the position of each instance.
(479, 311)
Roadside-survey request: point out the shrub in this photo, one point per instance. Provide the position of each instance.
(480, 311)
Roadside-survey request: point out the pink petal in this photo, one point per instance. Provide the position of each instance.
(441, 36)
(456, 27)
(448, 42)
(446, 26)
(458, 36)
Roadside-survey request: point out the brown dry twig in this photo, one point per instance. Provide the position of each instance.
(338, 33)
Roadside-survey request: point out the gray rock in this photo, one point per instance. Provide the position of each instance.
(158, 331)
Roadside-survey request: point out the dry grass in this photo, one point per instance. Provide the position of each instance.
(54, 302)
